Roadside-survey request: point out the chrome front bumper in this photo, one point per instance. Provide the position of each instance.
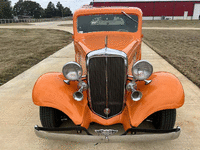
(111, 139)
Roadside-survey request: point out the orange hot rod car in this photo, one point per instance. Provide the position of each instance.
(108, 83)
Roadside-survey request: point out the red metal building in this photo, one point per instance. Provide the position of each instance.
(178, 9)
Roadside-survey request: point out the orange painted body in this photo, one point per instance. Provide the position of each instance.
(164, 92)
(128, 42)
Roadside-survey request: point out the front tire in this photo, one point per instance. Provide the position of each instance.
(50, 117)
(164, 119)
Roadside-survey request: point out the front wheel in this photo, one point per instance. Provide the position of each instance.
(50, 117)
(164, 119)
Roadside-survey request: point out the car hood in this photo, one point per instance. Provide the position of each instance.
(95, 42)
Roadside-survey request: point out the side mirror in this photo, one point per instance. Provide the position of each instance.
(142, 36)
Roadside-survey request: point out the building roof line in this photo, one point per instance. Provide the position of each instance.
(134, 1)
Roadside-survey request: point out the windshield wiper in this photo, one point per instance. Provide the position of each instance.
(129, 16)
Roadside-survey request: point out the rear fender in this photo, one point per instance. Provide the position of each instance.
(51, 91)
(164, 92)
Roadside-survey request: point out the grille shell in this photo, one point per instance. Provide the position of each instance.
(106, 79)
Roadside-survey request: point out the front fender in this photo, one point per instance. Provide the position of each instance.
(51, 91)
(164, 92)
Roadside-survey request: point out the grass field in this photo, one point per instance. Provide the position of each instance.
(22, 48)
(171, 23)
(181, 48)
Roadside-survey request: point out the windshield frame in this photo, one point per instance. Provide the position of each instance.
(101, 14)
(106, 10)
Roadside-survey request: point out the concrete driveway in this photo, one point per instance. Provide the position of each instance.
(18, 114)
(43, 25)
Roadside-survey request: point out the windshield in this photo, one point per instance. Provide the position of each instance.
(107, 22)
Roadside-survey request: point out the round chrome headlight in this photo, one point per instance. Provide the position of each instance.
(72, 71)
(142, 70)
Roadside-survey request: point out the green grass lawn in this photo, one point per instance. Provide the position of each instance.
(22, 48)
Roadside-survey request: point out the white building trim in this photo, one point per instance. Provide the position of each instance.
(144, 0)
(168, 18)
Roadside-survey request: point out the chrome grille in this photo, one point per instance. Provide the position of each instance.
(106, 80)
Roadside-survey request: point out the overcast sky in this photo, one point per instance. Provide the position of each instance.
(72, 4)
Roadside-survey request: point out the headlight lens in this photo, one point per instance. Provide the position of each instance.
(142, 70)
(72, 71)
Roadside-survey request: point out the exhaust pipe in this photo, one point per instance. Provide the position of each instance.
(78, 95)
(135, 95)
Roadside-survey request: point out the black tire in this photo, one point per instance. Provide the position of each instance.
(50, 117)
(164, 119)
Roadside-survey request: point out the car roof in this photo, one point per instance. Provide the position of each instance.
(107, 10)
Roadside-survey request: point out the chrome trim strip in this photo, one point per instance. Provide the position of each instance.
(110, 139)
(106, 72)
(106, 52)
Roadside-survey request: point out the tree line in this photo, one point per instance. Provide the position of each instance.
(33, 9)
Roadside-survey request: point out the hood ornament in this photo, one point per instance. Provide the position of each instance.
(106, 43)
